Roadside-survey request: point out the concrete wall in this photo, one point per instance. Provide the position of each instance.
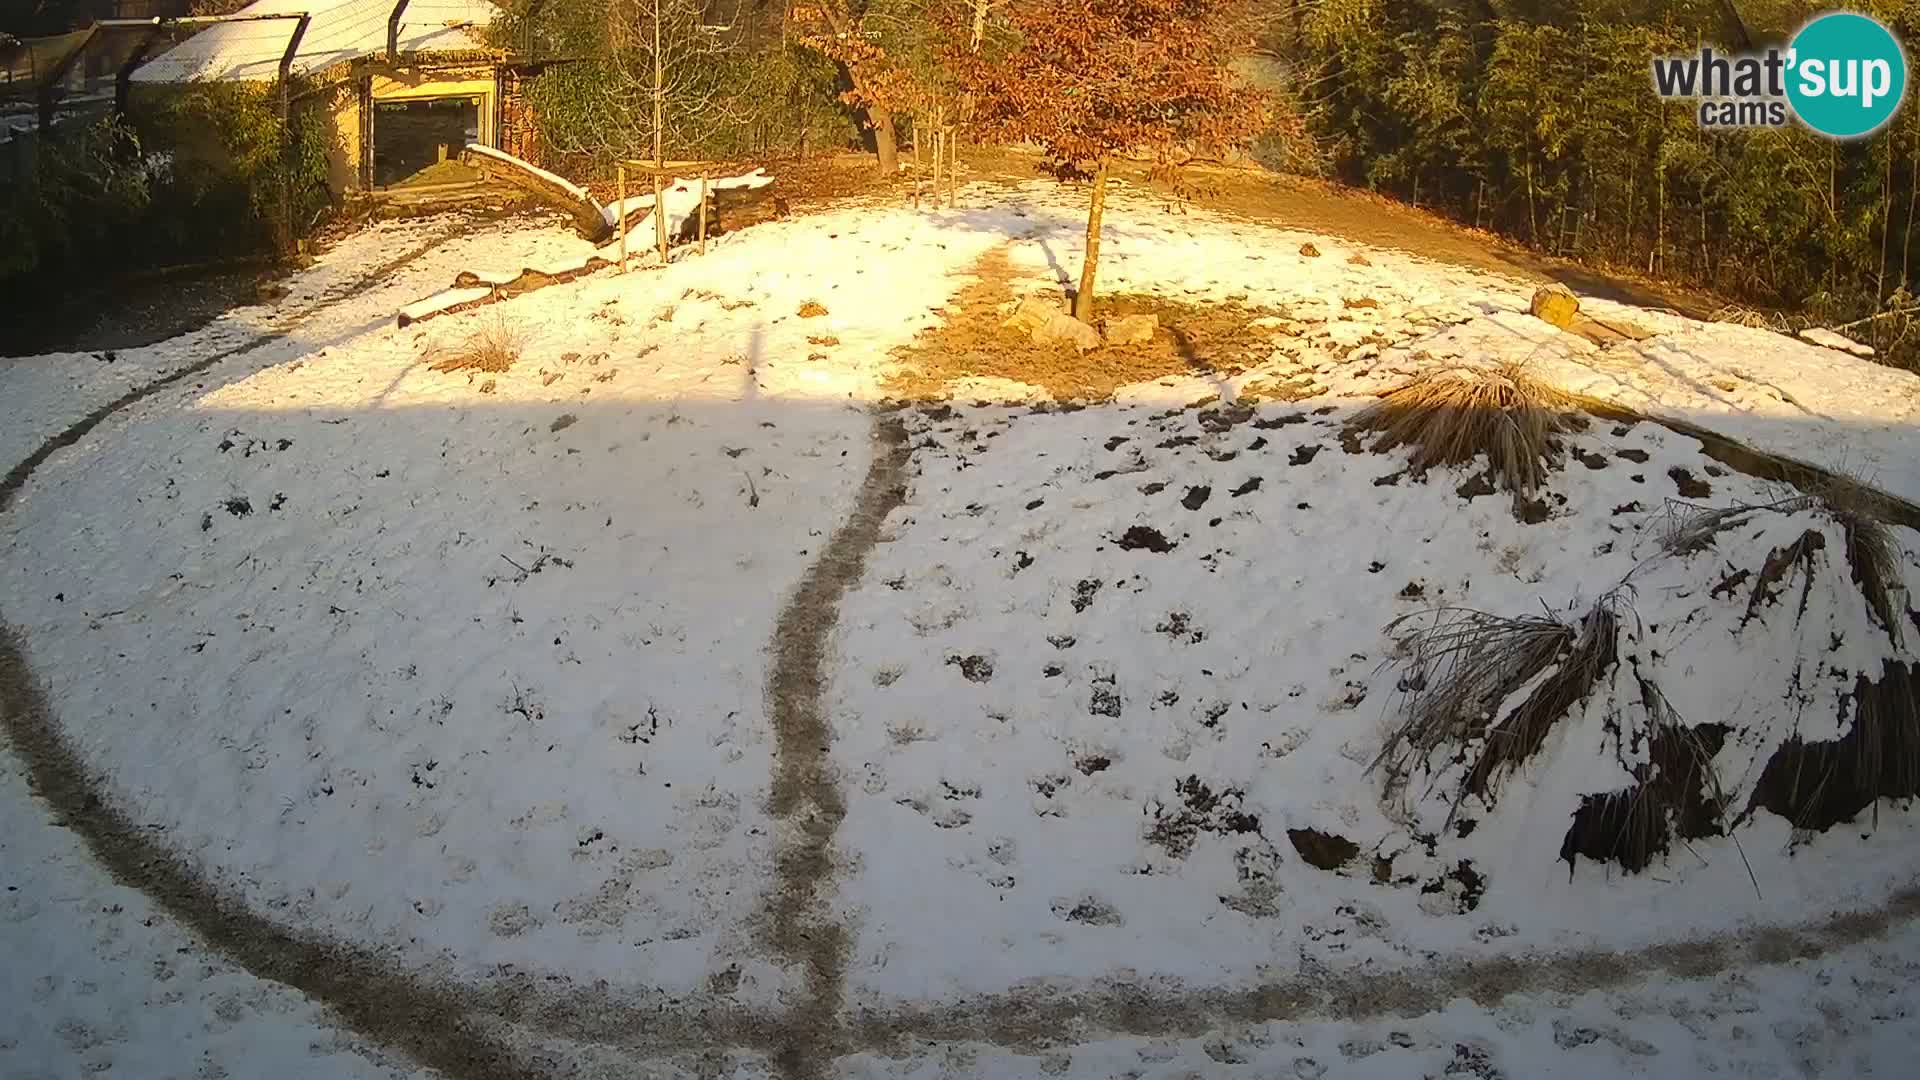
(346, 125)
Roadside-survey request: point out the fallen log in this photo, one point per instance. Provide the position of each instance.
(589, 217)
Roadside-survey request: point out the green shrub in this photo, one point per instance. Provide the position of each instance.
(203, 172)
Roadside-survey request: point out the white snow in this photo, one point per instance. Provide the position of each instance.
(444, 299)
(472, 667)
(758, 178)
(683, 202)
(340, 30)
(547, 743)
(1822, 336)
(1252, 657)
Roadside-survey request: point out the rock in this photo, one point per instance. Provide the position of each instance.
(1357, 259)
(1556, 304)
(1309, 251)
(1033, 313)
(1064, 327)
(1831, 340)
(1132, 329)
(812, 310)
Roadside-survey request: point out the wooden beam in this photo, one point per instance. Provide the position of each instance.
(659, 214)
(669, 166)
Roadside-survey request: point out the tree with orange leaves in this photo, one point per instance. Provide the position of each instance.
(1090, 80)
(853, 34)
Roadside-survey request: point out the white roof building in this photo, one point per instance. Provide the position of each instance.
(338, 31)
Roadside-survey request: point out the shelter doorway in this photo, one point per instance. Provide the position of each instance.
(418, 141)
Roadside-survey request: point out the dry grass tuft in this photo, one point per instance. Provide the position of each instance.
(1465, 667)
(1455, 415)
(1750, 318)
(1690, 528)
(492, 347)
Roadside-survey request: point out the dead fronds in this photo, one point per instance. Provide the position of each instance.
(1578, 667)
(1466, 667)
(1819, 785)
(1872, 552)
(1456, 415)
(492, 347)
(1690, 528)
(1676, 794)
(1873, 555)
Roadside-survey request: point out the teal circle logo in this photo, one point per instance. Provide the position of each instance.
(1846, 75)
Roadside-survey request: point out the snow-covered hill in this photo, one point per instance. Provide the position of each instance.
(471, 670)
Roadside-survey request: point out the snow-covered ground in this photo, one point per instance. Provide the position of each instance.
(470, 669)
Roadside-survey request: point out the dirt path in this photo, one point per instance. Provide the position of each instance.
(806, 797)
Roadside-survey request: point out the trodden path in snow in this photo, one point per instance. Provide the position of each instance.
(806, 798)
(469, 1030)
(17, 476)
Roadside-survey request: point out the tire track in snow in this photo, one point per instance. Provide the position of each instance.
(1031, 1020)
(371, 995)
(806, 799)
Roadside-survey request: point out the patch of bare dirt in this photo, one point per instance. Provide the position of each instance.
(1192, 338)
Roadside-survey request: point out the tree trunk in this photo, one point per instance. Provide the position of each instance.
(1913, 200)
(1083, 299)
(1886, 225)
(883, 140)
(659, 91)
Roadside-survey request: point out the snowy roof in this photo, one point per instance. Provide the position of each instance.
(340, 30)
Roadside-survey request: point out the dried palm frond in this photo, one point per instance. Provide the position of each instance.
(1577, 668)
(1456, 415)
(1677, 794)
(1873, 555)
(1689, 527)
(1818, 785)
(1460, 669)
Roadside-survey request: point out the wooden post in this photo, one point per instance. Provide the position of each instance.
(660, 214)
(621, 216)
(938, 144)
(703, 213)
